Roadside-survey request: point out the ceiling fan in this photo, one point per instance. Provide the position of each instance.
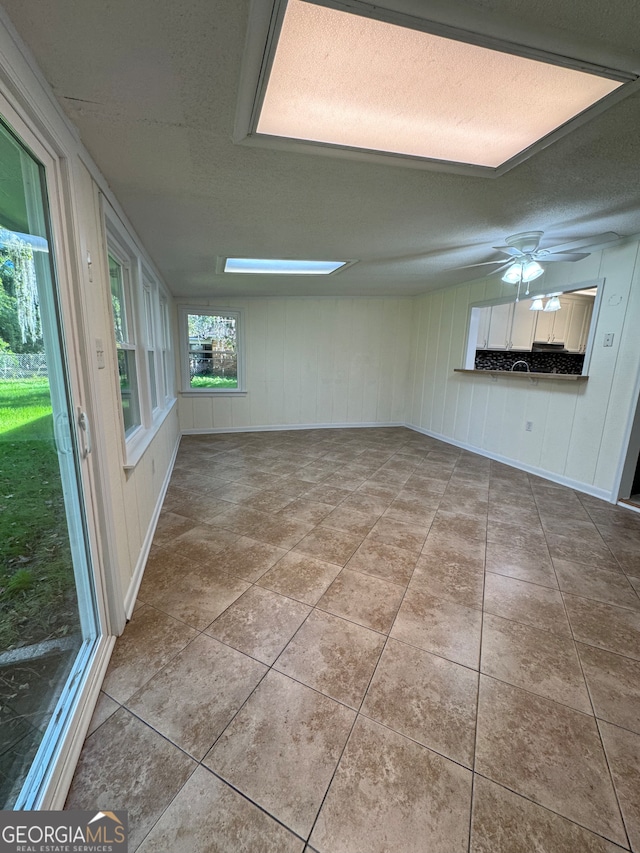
(525, 257)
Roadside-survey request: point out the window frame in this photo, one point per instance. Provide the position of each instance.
(144, 293)
(118, 252)
(166, 350)
(151, 312)
(236, 314)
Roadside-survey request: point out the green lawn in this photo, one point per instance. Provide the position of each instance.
(37, 589)
(214, 381)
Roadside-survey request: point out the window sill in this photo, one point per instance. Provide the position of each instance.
(214, 392)
(142, 438)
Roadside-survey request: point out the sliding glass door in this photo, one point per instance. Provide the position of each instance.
(48, 622)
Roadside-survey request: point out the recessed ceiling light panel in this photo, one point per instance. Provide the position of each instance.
(273, 266)
(356, 82)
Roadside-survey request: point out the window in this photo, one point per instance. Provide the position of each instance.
(142, 339)
(165, 348)
(212, 352)
(150, 305)
(124, 328)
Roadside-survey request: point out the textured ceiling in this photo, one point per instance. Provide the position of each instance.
(152, 87)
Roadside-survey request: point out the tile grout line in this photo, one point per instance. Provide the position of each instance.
(475, 731)
(358, 712)
(595, 718)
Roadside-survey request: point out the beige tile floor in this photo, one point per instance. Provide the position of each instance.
(368, 641)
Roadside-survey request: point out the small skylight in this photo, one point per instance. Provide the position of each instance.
(271, 266)
(351, 81)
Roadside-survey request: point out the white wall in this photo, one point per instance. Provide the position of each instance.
(579, 429)
(313, 362)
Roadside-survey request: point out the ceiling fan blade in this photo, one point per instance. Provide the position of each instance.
(503, 267)
(596, 240)
(509, 250)
(564, 256)
(481, 264)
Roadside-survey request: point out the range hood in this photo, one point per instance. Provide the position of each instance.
(547, 346)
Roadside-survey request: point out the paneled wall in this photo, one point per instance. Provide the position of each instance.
(313, 362)
(579, 429)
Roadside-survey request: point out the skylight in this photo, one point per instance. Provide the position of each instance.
(347, 80)
(271, 266)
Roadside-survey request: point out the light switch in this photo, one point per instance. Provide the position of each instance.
(100, 354)
(608, 340)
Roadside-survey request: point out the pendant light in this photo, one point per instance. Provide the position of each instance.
(553, 304)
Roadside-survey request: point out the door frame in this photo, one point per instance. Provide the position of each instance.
(28, 119)
(629, 458)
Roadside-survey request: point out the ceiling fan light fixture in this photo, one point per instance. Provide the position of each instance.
(553, 304)
(524, 270)
(531, 271)
(537, 304)
(513, 274)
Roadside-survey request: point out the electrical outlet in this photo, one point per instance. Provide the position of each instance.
(528, 426)
(608, 340)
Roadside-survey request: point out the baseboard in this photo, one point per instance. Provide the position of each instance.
(136, 580)
(578, 486)
(628, 505)
(286, 428)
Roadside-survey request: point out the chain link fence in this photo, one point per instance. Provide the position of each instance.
(22, 365)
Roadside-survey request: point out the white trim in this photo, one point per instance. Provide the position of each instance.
(146, 437)
(287, 427)
(58, 784)
(213, 392)
(625, 505)
(136, 580)
(238, 314)
(586, 488)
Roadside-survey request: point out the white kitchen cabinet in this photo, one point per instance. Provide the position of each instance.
(553, 326)
(522, 326)
(579, 324)
(500, 326)
(544, 326)
(483, 328)
(561, 321)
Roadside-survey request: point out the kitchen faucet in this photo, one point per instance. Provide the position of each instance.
(521, 361)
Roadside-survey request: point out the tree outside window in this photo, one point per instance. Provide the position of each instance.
(213, 350)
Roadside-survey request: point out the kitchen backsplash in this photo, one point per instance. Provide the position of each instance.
(539, 362)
